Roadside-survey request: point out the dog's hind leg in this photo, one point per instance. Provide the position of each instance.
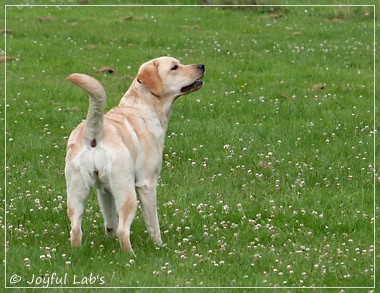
(77, 194)
(122, 187)
(126, 206)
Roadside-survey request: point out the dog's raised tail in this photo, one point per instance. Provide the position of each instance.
(94, 120)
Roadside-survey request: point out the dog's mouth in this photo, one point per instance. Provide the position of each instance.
(196, 85)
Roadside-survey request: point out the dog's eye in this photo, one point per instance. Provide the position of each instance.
(175, 67)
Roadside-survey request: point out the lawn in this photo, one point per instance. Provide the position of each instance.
(268, 174)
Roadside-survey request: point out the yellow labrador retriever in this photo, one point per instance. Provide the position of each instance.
(121, 152)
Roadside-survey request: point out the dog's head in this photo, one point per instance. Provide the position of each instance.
(166, 77)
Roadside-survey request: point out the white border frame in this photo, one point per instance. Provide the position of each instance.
(168, 5)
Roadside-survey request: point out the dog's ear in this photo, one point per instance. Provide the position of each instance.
(148, 76)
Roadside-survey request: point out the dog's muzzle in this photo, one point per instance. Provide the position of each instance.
(197, 84)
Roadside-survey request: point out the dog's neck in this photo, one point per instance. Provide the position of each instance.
(150, 91)
(139, 97)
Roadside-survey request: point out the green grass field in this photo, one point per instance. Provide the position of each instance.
(268, 173)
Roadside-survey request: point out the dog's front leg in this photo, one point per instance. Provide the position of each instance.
(148, 198)
(107, 205)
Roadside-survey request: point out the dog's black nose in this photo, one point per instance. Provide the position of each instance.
(201, 67)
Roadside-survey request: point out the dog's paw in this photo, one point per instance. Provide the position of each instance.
(158, 241)
(110, 230)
